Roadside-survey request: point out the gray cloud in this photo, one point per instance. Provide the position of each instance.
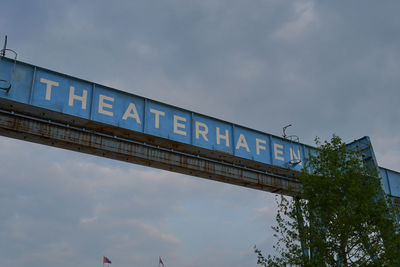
(325, 67)
(71, 209)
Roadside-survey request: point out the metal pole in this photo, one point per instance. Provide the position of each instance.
(5, 46)
(300, 222)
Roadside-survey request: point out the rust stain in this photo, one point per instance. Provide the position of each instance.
(73, 139)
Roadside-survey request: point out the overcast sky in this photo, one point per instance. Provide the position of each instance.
(324, 66)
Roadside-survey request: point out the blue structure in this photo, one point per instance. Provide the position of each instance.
(42, 93)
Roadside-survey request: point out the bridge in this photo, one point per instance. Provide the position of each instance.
(51, 108)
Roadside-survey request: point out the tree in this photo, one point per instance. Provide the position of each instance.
(341, 217)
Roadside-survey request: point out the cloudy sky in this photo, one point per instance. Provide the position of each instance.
(324, 66)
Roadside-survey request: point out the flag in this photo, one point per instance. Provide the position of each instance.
(160, 261)
(106, 260)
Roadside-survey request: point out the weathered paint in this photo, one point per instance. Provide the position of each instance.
(53, 92)
(57, 92)
(72, 138)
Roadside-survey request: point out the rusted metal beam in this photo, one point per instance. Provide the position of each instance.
(95, 143)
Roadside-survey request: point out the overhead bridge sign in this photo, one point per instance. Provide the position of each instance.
(47, 107)
(68, 95)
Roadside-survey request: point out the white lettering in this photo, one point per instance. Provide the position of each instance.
(157, 114)
(178, 126)
(294, 156)
(242, 143)
(72, 96)
(131, 112)
(103, 105)
(203, 132)
(49, 84)
(278, 152)
(258, 146)
(226, 137)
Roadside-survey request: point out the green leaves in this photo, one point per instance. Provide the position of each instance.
(340, 218)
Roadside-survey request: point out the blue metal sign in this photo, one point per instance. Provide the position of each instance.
(68, 95)
(64, 94)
